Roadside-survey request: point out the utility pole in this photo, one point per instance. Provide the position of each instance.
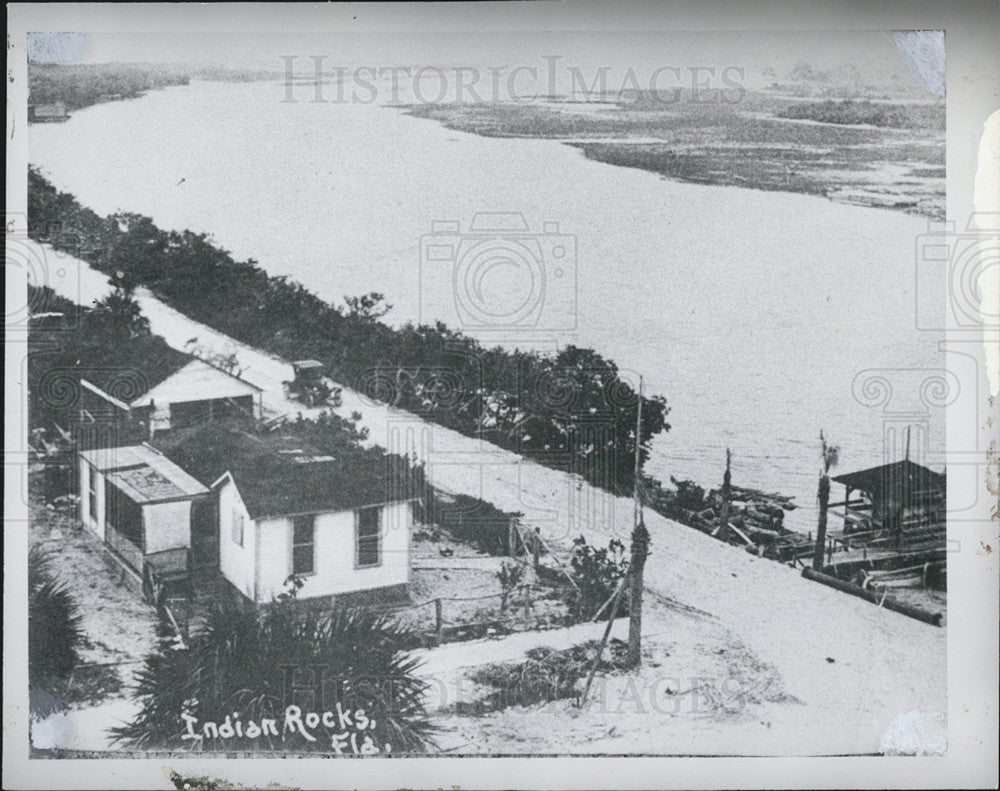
(640, 549)
(830, 455)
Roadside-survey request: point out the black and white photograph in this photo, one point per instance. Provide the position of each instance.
(511, 382)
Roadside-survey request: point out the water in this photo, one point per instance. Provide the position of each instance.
(752, 312)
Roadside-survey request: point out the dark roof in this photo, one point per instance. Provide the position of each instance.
(278, 474)
(134, 368)
(903, 474)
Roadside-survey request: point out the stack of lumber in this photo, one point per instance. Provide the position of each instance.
(754, 518)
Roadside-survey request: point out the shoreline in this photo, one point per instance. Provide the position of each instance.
(781, 154)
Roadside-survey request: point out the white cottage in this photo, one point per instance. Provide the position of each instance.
(342, 526)
(139, 504)
(334, 549)
(183, 391)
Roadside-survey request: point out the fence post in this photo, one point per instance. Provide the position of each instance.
(640, 550)
(536, 549)
(438, 622)
(511, 545)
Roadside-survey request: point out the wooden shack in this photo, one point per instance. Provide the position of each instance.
(892, 497)
(895, 525)
(47, 113)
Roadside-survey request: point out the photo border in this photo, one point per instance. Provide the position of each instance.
(973, 65)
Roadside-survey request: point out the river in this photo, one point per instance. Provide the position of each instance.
(751, 312)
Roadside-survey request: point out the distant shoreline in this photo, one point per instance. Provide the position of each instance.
(834, 150)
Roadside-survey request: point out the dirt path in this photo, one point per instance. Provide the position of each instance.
(854, 666)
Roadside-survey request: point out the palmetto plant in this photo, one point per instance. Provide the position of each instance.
(54, 633)
(54, 624)
(239, 663)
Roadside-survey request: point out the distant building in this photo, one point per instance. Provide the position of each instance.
(902, 497)
(340, 525)
(139, 503)
(170, 392)
(46, 113)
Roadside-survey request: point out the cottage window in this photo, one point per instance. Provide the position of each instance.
(92, 492)
(237, 527)
(303, 544)
(368, 540)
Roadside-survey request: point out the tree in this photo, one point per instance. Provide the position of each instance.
(243, 665)
(123, 312)
(368, 307)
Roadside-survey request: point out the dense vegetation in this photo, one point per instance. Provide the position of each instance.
(107, 342)
(54, 633)
(235, 669)
(847, 111)
(569, 410)
(80, 85)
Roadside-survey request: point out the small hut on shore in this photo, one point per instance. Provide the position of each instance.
(892, 497)
(47, 113)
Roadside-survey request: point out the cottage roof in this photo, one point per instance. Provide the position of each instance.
(144, 474)
(138, 365)
(278, 474)
(196, 381)
(904, 475)
(169, 377)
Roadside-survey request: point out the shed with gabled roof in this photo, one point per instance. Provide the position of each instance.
(173, 391)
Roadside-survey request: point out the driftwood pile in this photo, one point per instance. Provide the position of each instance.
(748, 517)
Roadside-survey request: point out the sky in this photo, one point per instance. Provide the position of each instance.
(876, 55)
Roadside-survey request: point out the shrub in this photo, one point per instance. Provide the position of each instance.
(54, 633)
(510, 576)
(546, 675)
(596, 573)
(470, 520)
(689, 496)
(237, 664)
